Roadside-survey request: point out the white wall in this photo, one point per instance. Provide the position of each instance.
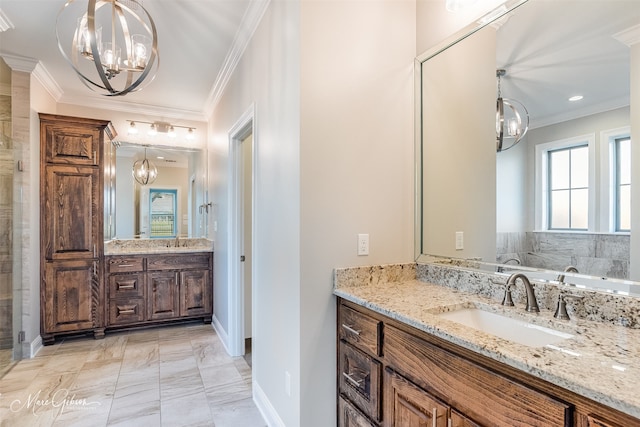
(332, 86)
(356, 165)
(635, 159)
(267, 77)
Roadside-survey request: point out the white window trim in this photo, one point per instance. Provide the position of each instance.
(608, 177)
(541, 178)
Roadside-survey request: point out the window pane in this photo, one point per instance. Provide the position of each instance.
(624, 161)
(579, 208)
(580, 167)
(560, 209)
(624, 208)
(559, 169)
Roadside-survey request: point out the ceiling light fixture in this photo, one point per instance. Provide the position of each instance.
(144, 172)
(101, 36)
(576, 98)
(161, 127)
(512, 122)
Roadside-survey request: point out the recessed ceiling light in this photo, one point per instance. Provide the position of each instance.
(576, 98)
(160, 157)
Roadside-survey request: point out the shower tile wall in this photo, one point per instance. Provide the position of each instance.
(594, 254)
(6, 226)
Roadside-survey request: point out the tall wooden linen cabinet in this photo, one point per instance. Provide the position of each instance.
(71, 226)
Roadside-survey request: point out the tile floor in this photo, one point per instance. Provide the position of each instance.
(169, 376)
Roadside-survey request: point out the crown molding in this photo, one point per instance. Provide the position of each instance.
(602, 107)
(19, 63)
(5, 22)
(630, 36)
(46, 80)
(250, 21)
(129, 107)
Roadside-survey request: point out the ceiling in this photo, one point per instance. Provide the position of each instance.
(550, 49)
(553, 50)
(197, 39)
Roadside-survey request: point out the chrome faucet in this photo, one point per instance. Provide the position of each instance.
(532, 303)
(501, 269)
(569, 269)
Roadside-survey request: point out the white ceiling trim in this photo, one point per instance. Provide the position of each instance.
(46, 80)
(5, 22)
(19, 63)
(247, 28)
(576, 114)
(629, 36)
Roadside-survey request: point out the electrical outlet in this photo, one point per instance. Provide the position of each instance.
(459, 240)
(363, 244)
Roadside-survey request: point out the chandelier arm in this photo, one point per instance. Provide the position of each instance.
(500, 118)
(91, 24)
(152, 58)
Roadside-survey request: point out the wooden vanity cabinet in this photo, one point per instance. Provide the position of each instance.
(148, 289)
(71, 233)
(428, 381)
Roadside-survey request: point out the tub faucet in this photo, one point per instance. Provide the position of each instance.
(569, 269)
(532, 303)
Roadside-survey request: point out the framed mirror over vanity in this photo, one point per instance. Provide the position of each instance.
(499, 210)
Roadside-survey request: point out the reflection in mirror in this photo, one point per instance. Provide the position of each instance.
(475, 204)
(170, 206)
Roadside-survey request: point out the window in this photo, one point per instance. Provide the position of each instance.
(163, 212)
(622, 184)
(569, 188)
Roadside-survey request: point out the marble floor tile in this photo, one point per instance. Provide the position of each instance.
(168, 376)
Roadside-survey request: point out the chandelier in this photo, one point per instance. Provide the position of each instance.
(112, 48)
(512, 119)
(144, 172)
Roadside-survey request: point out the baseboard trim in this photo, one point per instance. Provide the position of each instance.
(265, 407)
(224, 337)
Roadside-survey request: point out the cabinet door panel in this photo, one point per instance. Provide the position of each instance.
(71, 140)
(407, 405)
(195, 297)
(458, 420)
(163, 295)
(71, 290)
(71, 213)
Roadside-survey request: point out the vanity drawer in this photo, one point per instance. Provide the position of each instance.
(124, 311)
(121, 264)
(361, 330)
(126, 285)
(480, 394)
(198, 260)
(348, 416)
(360, 379)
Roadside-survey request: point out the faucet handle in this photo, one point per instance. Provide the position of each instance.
(507, 300)
(561, 310)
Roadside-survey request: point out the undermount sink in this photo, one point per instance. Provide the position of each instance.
(508, 328)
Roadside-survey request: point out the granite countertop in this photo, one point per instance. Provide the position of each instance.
(157, 246)
(601, 361)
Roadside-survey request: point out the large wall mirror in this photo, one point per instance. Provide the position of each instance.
(173, 205)
(475, 203)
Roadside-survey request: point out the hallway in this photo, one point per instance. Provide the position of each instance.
(170, 376)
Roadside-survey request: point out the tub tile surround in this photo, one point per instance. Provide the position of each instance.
(159, 246)
(600, 362)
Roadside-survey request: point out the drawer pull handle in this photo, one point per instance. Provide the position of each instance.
(450, 423)
(131, 286)
(350, 329)
(435, 417)
(353, 381)
(125, 265)
(127, 311)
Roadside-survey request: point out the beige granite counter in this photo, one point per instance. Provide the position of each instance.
(157, 246)
(601, 361)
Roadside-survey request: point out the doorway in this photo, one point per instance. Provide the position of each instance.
(242, 332)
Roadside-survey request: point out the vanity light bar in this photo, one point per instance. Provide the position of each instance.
(162, 127)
